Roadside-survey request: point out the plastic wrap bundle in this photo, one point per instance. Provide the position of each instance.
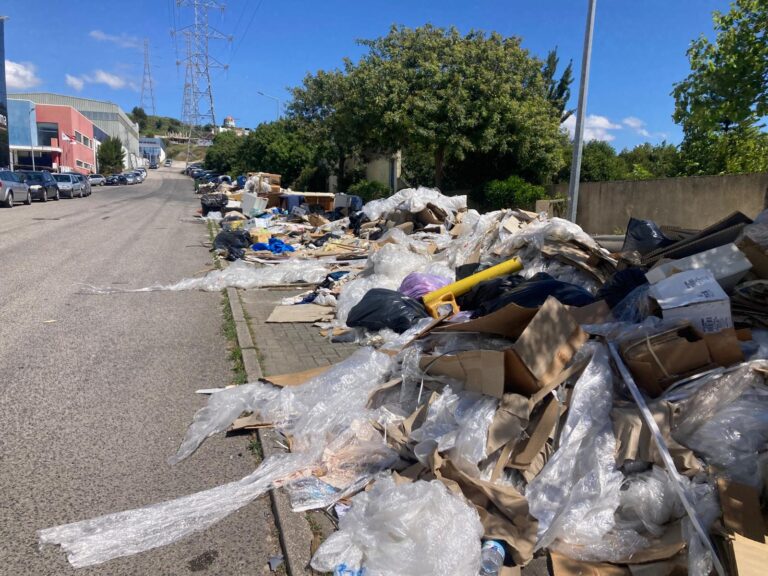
(416, 529)
(315, 414)
(477, 235)
(239, 274)
(536, 233)
(648, 501)
(576, 494)
(728, 432)
(414, 200)
(457, 423)
(416, 284)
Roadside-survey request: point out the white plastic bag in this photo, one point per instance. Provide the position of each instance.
(415, 529)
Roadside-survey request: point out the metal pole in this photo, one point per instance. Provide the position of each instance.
(578, 137)
(31, 137)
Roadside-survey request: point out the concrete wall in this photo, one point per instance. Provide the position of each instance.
(693, 202)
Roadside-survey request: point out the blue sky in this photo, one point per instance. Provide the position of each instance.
(93, 48)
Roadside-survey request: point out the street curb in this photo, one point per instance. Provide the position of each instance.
(293, 530)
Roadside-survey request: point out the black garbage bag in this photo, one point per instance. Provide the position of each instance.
(618, 286)
(644, 236)
(213, 202)
(382, 308)
(357, 219)
(488, 290)
(533, 292)
(233, 241)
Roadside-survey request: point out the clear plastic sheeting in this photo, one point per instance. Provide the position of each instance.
(415, 529)
(222, 409)
(648, 501)
(457, 423)
(726, 432)
(414, 200)
(111, 536)
(576, 494)
(322, 418)
(239, 274)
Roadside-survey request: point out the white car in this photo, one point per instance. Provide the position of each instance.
(97, 180)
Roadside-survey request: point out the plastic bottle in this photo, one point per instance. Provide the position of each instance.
(491, 558)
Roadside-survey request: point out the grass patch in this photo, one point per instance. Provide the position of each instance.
(229, 331)
(254, 446)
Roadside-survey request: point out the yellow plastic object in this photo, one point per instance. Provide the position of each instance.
(447, 294)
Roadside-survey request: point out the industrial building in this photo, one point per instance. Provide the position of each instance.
(107, 118)
(152, 149)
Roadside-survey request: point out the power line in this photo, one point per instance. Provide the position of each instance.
(247, 28)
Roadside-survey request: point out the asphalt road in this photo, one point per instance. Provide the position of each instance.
(97, 391)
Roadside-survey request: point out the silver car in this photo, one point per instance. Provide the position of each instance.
(130, 178)
(97, 180)
(69, 184)
(12, 189)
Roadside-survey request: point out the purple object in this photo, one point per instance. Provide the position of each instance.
(415, 285)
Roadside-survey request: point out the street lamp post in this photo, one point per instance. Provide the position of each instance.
(578, 137)
(275, 98)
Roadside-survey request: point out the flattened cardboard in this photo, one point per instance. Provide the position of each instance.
(547, 338)
(749, 557)
(741, 510)
(757, 256)
(295, 378)
(525, 452)
(727, 263)
(564, 566)
(597, 313)
(299, 313)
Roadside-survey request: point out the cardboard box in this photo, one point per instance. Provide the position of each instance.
(694, 296)
(546, 339)
(727, 263)
(660, 360)
(746, 549)
(756, 254)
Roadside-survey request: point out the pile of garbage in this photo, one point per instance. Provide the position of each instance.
(519, 391)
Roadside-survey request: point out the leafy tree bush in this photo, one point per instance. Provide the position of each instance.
(514, 192)
(369, 190)
(110, 156)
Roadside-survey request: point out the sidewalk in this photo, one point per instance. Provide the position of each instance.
(270, 349)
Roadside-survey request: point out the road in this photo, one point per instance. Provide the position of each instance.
(97, 391)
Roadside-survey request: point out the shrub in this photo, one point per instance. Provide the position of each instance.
(514, 192)
(369, 190)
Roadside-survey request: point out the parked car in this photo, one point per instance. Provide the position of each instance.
(41, 184)
(12, 189)
(85, 184)
(168, 162)
(130, 178)
(69, 184)
(97, 180)
(153, 165)
(116, 179)
(139, 176)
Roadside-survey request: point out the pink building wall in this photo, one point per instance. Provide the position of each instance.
(70, 121)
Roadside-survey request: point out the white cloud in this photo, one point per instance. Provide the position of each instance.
(595, 127)
(123, 40)
(111, 80)
(114, 81)
(637, 125)
(74, 82)
(20, 75)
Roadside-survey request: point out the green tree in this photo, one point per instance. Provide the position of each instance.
(223, 155)
(140, 117)
(449, 95)
(110, 156)
(558, 90)
(720, 104)
(599, 163)
(277, 147)
(652, 161)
